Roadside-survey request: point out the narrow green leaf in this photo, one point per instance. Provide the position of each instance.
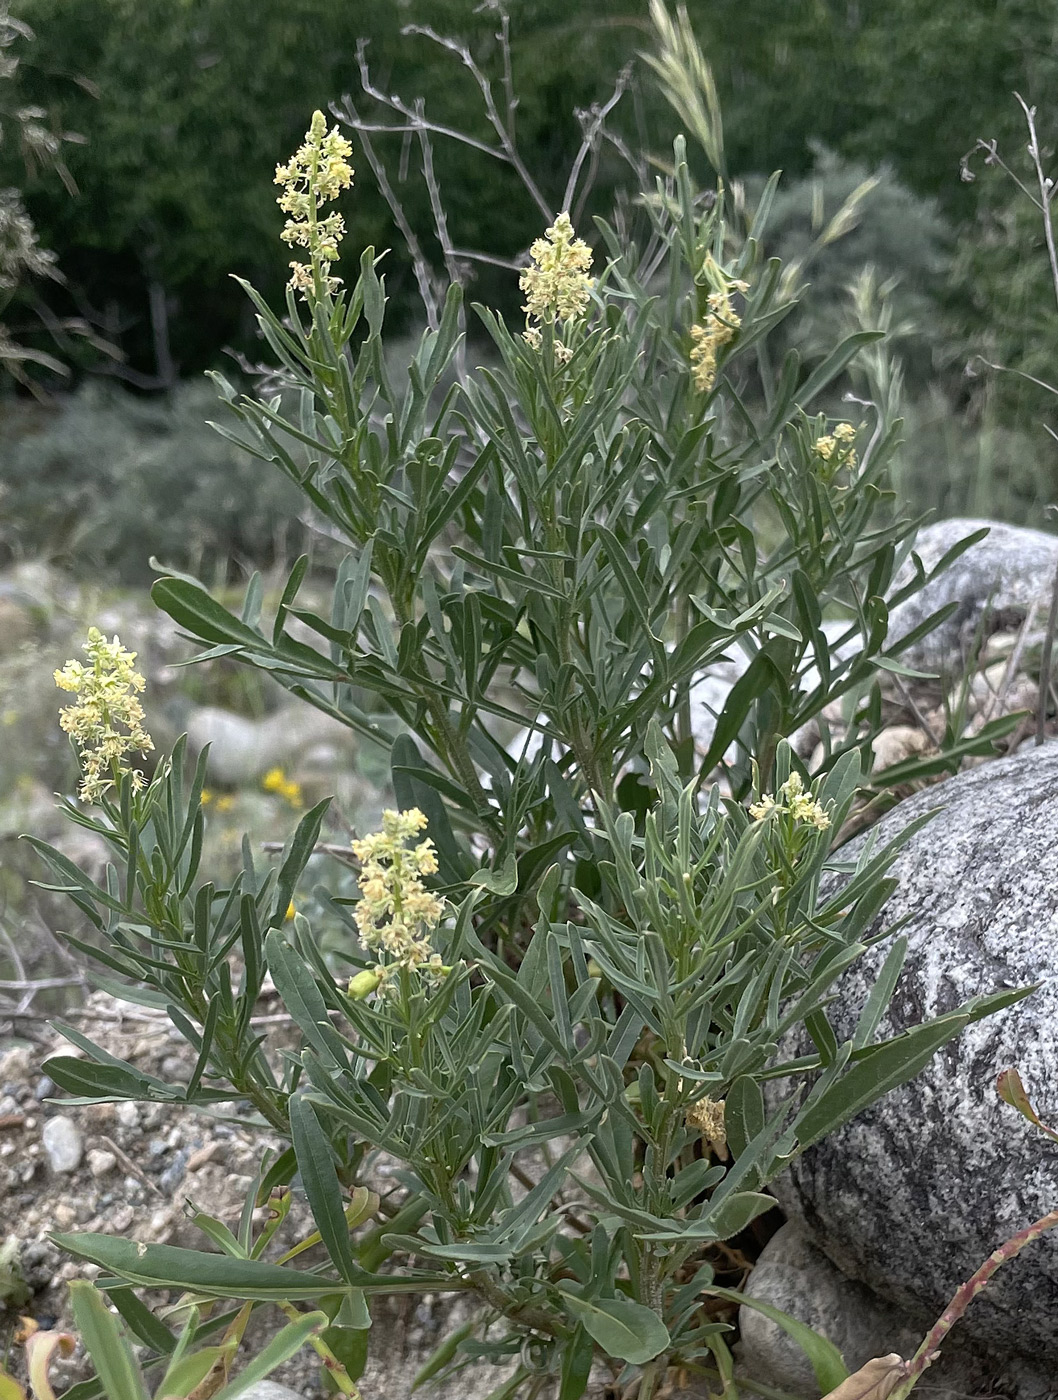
(443, 1354)
(301, 848)
(320, 1179)
(825, 1359)
(302, 998)
(141, 1321)
(881, 993)
(286, 1343)
(577, 1355)
(885, 1067)
(743, 1113)
(106, 1343)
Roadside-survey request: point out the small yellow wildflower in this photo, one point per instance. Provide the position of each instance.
(794, 799)
(107, 721)
(206, 798)
(396, 911)
(275, 780)
(314, 176)
(707, 1117)
(557, 285)
(291, 911)
(225, 802)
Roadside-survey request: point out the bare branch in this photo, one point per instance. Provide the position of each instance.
(506, 137)
(1046, 187)
(423, 274)
(592, 121)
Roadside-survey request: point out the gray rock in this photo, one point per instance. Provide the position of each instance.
(63, 1143)
(243, 750)
(796, 1277)
(100, 1163)
(1007, 572)
(913, 1195)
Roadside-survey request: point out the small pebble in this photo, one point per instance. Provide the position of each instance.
(212, 1152)
(128, 1115)
(171, 1178)
(122, 1218)
(100, 1163)
(45, 1088)
(64, 1143)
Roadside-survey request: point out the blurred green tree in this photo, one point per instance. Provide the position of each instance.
(184, 100)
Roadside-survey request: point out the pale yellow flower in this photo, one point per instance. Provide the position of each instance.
(396, 912)
(314, 176)
(556, 284)
(794, 799)
(707, 1117)
(107, 721)
(720, 325)
(834, 449)
(759, 810)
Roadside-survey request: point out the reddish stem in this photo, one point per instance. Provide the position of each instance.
(967, 1292)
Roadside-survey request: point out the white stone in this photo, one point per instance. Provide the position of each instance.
(64, 1143)
(100, 1163)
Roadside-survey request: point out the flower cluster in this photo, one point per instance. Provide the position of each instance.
(557, 285)
(275, 780)
(835, 450)
(793, 799)
(707, 1117)
(720, 324)
(396, 911)
(314, 176)
(107, 721)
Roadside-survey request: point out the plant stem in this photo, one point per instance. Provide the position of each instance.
(964, 1296)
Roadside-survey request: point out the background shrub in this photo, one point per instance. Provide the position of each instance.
(103, 480)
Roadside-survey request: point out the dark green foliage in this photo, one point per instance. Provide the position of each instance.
(189, 101)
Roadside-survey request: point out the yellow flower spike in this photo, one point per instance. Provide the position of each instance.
(314, 176)
(707, 1117)
(106, 722)
(396, 912)
(835, 450)
(556, 284)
